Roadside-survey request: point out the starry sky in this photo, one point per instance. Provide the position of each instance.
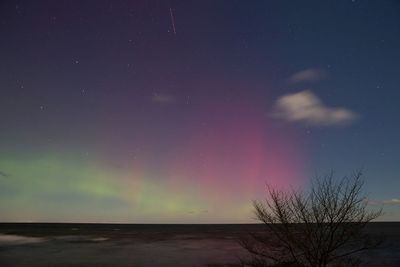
(181, 111)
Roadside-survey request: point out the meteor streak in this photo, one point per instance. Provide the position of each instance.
(172, 20)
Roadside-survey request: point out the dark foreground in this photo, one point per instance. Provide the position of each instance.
(148, 245)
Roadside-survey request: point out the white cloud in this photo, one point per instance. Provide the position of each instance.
(163, 98)
(307, 107)
(308, 75)
(393, 201)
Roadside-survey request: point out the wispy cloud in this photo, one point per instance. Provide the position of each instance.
(306, 107)
(308, 75)
(162, 98)
(393, 201)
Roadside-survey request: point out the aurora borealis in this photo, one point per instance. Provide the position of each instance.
(111, 112)
(205, 173)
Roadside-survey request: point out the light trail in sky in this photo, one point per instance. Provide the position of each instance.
(172, 20)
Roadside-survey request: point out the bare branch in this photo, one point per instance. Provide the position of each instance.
(314, 228)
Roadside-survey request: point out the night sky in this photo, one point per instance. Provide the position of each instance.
(181, 111)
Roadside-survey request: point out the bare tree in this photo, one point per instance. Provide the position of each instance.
(320, 227)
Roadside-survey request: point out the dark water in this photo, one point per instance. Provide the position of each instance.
(149, 245)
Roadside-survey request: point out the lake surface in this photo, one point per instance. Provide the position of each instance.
(149, 245)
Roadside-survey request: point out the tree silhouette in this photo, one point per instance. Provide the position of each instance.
(320, 227)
